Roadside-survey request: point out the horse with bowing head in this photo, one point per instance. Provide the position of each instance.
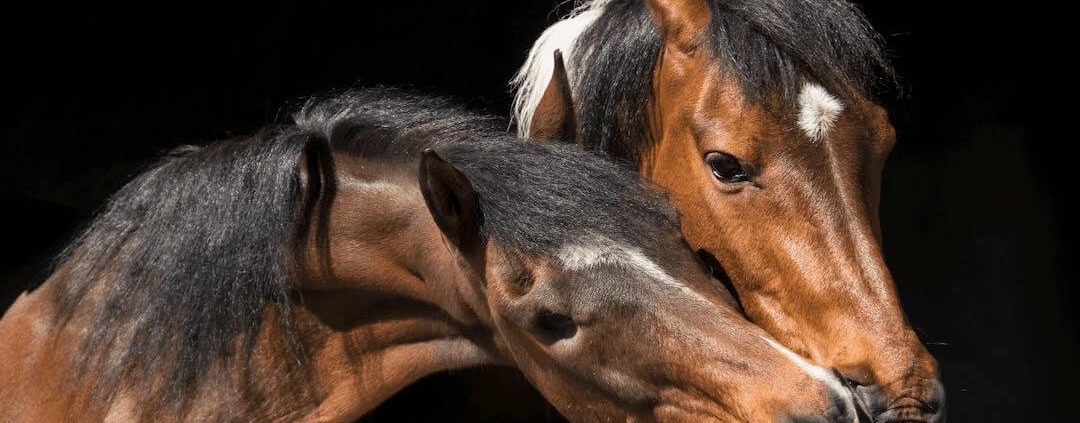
(757, 117)
(309, 272)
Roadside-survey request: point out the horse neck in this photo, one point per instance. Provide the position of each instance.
(388, 311)
(390, 307)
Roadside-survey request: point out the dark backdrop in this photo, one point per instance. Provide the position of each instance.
(972, 193)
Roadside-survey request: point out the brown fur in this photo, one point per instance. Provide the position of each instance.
(397, 299)
(802, 242)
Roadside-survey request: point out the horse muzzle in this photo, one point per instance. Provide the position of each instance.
(925, 404)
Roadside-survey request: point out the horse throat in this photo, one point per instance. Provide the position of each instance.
(393, 310)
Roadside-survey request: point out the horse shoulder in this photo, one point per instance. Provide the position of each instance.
(33, 360)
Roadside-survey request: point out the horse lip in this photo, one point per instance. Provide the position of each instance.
(911, 402)
(909, 409)
(893, 415)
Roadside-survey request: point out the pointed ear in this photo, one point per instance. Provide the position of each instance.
(554, 118)
(452, 202)
(683, 22)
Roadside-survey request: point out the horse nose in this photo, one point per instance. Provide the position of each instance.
(926, 405)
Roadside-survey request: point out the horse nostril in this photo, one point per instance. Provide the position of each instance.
(862, 409)
(551, 327)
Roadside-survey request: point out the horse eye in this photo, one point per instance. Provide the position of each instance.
(726, 168)
(551, 327)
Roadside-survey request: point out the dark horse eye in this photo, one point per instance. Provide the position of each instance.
(551, 327)
(726, 168)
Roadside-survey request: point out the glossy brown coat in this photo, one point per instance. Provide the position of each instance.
(408, 287)
(801, 240)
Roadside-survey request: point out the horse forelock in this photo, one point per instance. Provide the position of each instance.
(771, 48)
(531, 80)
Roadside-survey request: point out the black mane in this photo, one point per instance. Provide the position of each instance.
(187, 255)
(184, 259)
(769, 46)
(391, 123)
(534, 196)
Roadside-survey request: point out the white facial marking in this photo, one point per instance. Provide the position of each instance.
(533, 77)
(599, 250)
(818, 111)
(579, 257)
(819, 373)
(370, 185)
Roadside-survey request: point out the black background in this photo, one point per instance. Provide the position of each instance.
(973, 193)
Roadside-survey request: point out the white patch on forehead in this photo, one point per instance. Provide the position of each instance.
(818, 111)
(582, 256)
(600, 251)
(821, 374)
(369, 185)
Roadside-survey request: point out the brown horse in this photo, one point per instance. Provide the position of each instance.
(309, 272)
(756, 117)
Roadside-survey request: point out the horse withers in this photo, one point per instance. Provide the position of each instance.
(309, 272)
(756, 116)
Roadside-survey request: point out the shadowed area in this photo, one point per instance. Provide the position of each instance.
(972, 194)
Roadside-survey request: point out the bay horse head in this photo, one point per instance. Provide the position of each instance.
(309, 272)
(756, 116)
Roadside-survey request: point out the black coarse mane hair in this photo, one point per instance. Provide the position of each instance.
(534, 197)
(183, 261)
(771, 47)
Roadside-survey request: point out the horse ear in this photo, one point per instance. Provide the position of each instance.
(452, 202)
(681, 21)
(554, 118)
